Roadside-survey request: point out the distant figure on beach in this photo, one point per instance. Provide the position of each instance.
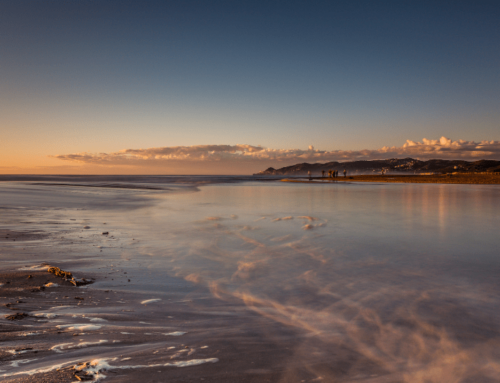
(322, 174)
(309, 174)
(345, 173)
(336, 173)
(330, 173)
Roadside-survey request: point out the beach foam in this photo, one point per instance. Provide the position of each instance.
(35, 268)
(147, 301)
(16, 363)
(96, 367)
(66, 346)
(192, 362)
(175, 333)
(44, 315)
(79, 327)
(39, 370)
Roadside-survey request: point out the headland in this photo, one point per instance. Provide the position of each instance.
(451, 178)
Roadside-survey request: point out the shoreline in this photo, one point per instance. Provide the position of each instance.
(32, 295)
(53, 331)
(467, 179)
(162, 308)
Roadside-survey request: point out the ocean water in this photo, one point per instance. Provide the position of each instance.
(362, 282)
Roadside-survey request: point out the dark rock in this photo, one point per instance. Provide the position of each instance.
(16, 316)
(81, 282)
(60, 273)
(80, 372)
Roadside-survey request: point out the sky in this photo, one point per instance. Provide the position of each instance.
(233, 87)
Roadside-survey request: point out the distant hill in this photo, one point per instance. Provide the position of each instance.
(405, 165)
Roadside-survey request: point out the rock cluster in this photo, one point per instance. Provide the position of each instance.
(60, 273)
(81, 373)
(68, 276)
(16, 316)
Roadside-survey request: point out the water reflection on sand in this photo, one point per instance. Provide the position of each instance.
(381, 282)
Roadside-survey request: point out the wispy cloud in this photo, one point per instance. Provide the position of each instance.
(444, 148)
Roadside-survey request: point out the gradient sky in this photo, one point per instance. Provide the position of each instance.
(100, 76)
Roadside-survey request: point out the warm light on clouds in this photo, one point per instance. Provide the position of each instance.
(444, 148)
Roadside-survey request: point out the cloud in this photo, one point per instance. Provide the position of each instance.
(444, 148)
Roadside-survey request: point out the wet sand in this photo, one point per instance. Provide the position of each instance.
(52, 329)
(30, 235)
(481, 179)
(249, 284)
(21, 293)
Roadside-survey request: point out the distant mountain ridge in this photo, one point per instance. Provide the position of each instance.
(400, 165)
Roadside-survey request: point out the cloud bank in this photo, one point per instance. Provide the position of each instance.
(444, 148)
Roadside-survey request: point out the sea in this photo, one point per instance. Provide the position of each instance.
(331, 282)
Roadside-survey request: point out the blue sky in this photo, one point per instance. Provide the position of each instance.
(101, 76)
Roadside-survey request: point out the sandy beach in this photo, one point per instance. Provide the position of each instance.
(47, 317)
(234, 282)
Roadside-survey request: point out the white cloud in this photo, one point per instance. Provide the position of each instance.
(444, 148)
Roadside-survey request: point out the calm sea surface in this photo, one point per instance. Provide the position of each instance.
(405, 277)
